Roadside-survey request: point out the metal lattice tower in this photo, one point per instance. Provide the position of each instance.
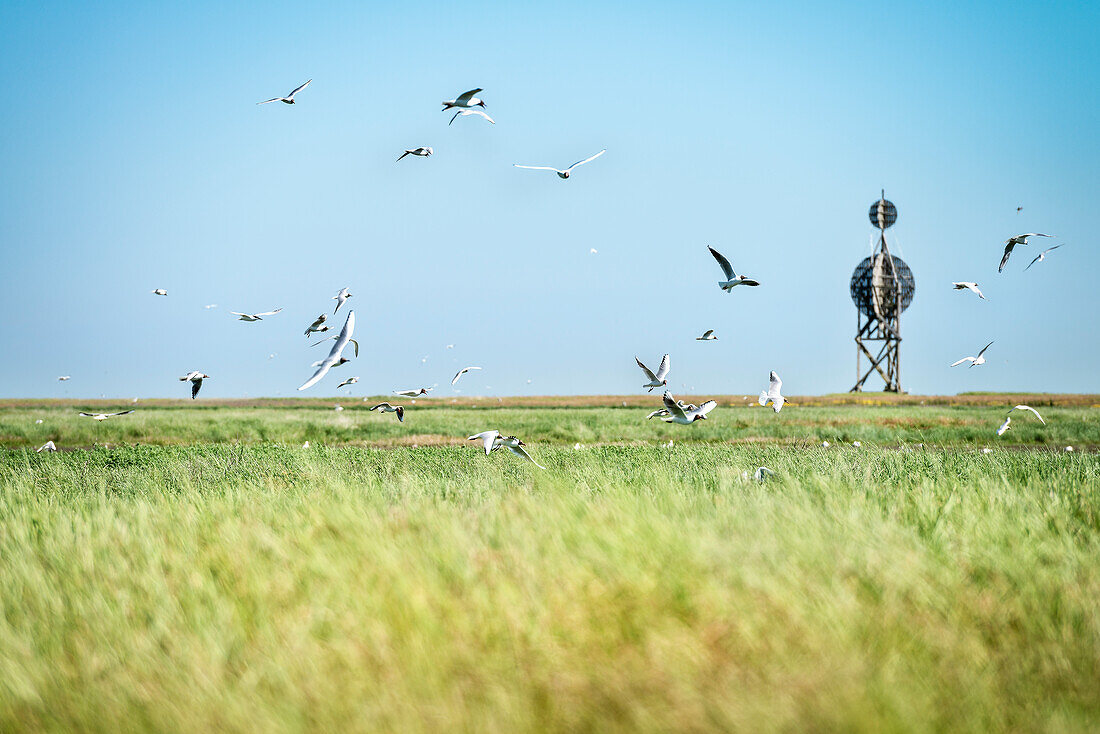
(882, 288)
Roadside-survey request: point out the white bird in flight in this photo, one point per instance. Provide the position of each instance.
(255, 316)
(210, 306)
(47, 447)
(354, 344)
(489, 440)
(467, 113)
(334, 356)
(1040, 257)
(656, 380)
(413, 393)
(465, 100)
(492, 440)
(461, 372)
(316, 327)
(974, 361)
(677, 414)
(514, 445)
(563, 173)
(1011, 242)
(63, 378)
(104, 416)
(1028, 407)
(387, 408)
(773, 393)
(423, 152)
(289, 99)
(732, 279)
(159, 292)
(964, 285)
(340, 298)
(196, 379)
(349, 381)
(708, 336)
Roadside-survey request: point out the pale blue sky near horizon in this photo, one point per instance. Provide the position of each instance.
(135, 157)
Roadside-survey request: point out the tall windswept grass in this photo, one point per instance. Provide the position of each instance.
(626, 588)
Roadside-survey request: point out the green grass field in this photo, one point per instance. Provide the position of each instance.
(218, 576)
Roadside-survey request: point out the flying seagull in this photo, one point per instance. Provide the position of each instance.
(1008, 418)
(196, 379)
(316, 326)
(467, 113)
(424, 152)
(514, 445)
(677, 414)
(774, 386)
(289, 99)
(974, 361)
(663, 412)
(63, 378)
(413, 393)
(1011, 242)
(964, 285)
(354, 344)
(1040, 257)
(732, 279)
(492, 440)
(1028, 407)
(708, 336)
(340, 298)
(563, 173)
(210, 306)
(461, 372)
(387, 408)
(334, 355)
(489, 440)
(255, 316)
(656, 380)
(104, 416)
(159, 292)
(349, 381)
(47, 447)
(464, 100)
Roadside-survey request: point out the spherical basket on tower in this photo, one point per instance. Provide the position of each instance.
(882, 287)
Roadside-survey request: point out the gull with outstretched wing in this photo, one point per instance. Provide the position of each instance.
(732, 279)
(334, 356)
(254, 316)
(1040, 257)
(467, 113)
(105, 416)
(773, 393)
(974, 361)
(464, 101)
(1011, 242)
(563, 173)
(660, 379)
(387, 408)
(677, 413)
(289, 99)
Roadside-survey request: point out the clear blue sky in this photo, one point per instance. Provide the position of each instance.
(135, 157)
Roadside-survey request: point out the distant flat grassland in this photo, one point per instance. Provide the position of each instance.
(883, 419)
(220, 577)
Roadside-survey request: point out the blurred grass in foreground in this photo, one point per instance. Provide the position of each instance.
(626, 588)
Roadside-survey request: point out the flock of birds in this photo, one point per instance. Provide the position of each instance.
(977, 361)
(674, 411)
